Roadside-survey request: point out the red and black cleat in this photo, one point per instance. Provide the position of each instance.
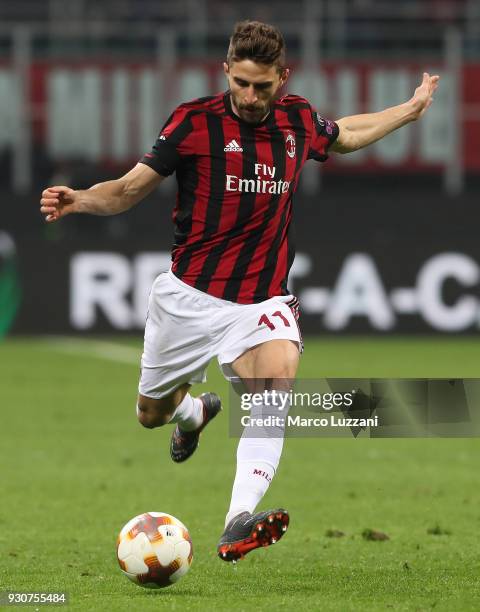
(248, 531)
(184, 443)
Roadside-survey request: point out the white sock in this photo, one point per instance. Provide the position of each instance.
(189, 413)
(258, 455)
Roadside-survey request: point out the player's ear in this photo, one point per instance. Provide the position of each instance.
(225, 68)
(284, 76)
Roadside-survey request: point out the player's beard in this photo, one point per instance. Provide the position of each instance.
(254, 113)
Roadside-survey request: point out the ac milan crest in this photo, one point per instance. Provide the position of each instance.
(290, 145)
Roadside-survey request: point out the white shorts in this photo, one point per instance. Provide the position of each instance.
(186, 328)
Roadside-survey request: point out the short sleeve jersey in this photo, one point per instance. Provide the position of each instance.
(236, 182)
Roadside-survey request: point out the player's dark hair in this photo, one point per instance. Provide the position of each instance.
(260, 42)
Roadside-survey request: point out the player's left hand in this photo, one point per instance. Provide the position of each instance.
(423, 96)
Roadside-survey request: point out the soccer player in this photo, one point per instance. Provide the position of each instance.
(237, 157)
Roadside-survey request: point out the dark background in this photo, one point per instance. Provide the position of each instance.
(393, 217)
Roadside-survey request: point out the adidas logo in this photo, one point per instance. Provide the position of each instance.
(233, 147)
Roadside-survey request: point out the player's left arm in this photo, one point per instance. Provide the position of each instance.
(359, 131)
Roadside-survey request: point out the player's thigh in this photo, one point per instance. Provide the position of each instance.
(154, 412)
(276, 358)
(271, 364)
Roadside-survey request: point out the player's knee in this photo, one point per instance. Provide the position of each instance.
(151, 416)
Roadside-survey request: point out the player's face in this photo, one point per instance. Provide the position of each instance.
(254, 88)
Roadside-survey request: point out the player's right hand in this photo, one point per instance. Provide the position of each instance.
(57, 202)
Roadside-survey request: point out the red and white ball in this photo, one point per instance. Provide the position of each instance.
(154, 550)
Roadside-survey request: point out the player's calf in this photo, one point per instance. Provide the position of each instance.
(153, 412)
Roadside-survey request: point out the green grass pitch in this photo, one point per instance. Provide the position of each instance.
(75, 466)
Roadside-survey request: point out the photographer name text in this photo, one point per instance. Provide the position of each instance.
(331, 420)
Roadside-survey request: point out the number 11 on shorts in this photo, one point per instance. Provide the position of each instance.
(265, 320)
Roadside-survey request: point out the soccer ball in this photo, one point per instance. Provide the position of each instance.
(154, 550)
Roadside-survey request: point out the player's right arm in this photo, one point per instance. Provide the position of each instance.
(108, 198)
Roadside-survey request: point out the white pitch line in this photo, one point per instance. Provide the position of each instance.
(95, 348)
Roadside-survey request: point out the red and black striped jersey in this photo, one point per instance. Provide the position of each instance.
(235, 185)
